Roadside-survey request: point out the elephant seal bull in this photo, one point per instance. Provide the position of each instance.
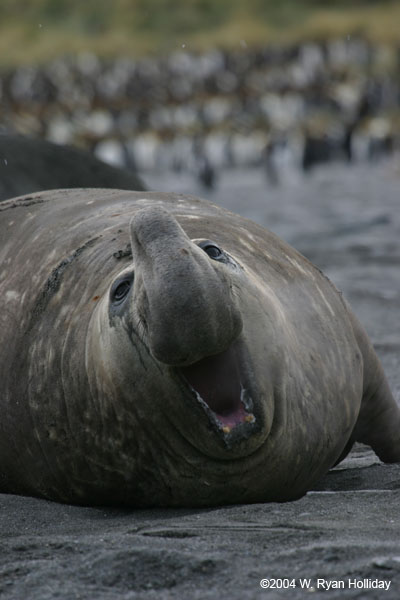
(30, 165)
(157, 350)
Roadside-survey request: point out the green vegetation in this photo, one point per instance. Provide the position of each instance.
(34, 30)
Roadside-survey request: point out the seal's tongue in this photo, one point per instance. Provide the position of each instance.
(217, 381)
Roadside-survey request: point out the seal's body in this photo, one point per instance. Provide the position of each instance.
(159, 350)
(29, 165)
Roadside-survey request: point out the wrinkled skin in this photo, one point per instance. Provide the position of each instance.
(207, 363)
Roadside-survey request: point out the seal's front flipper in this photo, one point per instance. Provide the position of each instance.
(378, 423)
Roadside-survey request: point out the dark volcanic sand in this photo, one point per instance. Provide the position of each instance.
(347, 220)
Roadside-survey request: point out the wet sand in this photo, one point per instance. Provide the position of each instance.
(347, 221)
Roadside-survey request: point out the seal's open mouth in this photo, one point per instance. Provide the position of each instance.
(217, 384)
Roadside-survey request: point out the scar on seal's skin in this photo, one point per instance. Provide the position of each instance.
(53, 283)
(127, 252)
(27, 201)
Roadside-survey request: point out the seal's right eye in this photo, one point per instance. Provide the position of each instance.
(120, 290)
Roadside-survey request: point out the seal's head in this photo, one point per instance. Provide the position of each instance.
(180, 307)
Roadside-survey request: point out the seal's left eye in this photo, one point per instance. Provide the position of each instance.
(121, 291)
(212, 251)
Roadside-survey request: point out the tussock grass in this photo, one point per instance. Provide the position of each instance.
(35, 30)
